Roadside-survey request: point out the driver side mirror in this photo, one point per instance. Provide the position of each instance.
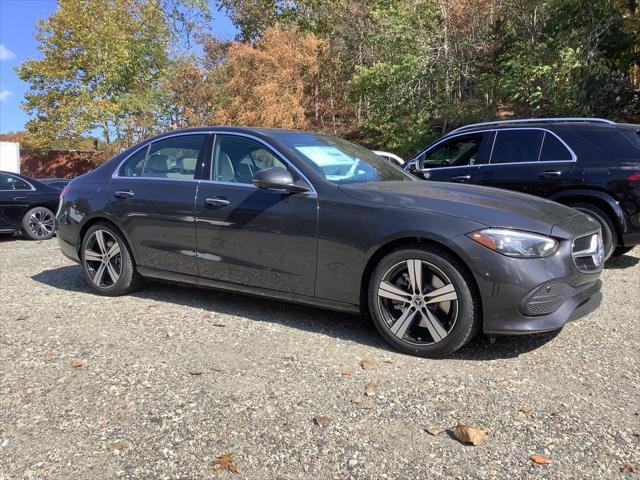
(277, 178)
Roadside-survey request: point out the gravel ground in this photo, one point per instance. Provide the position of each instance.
(160, 383)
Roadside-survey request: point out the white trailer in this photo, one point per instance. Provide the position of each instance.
(10, 157)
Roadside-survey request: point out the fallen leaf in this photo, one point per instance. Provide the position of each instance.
(22, 318)
(628, 467)
(321, 421)
(206, 316)
(434, 431)
(222, 325)
(76, 364)
(195, 372)
(539, 459)
(469, 434)
(290, 357)
(51, 353)
(223, 463)
(527, 409)
(373, 385)
(346, 373)
(367, 364)
(503, 381)
(370, 392)
(104, 423)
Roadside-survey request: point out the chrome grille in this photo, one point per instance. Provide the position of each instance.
(588, 252)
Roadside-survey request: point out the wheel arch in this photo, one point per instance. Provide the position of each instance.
(602, 200)
(409, 241)
(100, 219)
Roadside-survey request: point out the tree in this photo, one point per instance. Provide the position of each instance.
(270, 84)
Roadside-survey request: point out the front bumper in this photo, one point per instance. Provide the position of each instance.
(521, 296)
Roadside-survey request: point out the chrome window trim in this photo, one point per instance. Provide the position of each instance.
(31, 187)
(574, 157)
(536, 120)
(198, 180)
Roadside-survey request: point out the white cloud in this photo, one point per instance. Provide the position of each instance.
(4, 94)
(5, 53)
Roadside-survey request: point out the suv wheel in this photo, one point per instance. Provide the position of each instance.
(422, 302)
(609, 232)
(107, 263)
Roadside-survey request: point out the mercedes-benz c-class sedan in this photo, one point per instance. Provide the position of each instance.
(315, 219)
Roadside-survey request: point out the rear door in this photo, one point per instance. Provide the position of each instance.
(15, 200)
(456, 159)
(153, 198)
(256, 237)
(529, 160)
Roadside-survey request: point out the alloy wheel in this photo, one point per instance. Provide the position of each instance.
(41, 223)
(103, 259)
(417, 302)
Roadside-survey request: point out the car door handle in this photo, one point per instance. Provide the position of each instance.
(217, 202)
(19, 198)
(461, 178)
(124, 194)
(550, 173)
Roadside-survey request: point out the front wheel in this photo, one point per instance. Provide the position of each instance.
(423, 301)
(107, 262)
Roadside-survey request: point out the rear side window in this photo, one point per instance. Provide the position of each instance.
(9, 182)
(611, 141)
(553, 150)
(134, 165)
(515, 146)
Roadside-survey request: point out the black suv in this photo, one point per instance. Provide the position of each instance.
(590, 164)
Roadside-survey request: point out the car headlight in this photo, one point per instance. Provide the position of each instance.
(514, 243)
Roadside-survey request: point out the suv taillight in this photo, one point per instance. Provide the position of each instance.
(634, 177)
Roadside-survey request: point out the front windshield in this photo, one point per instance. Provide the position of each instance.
(340, 161)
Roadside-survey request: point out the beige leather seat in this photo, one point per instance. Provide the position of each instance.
(225, 171)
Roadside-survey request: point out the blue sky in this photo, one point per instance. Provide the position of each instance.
(18, 20)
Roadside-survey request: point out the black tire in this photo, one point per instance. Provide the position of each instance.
(609, 231)
(618, 252)
(39, 223)
(447, 268)
(128, 279)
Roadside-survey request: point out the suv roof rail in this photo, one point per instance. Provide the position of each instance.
(535, 120)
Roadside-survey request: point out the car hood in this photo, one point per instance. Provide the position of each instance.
(490, 206)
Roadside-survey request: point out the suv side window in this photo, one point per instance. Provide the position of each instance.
(516, 146)
(457, 152)
(237, 159)
(553, 150)
(9, 182)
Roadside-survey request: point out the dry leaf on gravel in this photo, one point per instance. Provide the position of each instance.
(122, 445)
(22, 318)
(222, 325)
(367, 364)
(195, 372)
(290, 357)
(370, 389)
(628, 467)
(434, 431)
(224, 463)
(469, 434)
(206, 316)
(527, 409)
(539, 459)
(346, 373)
(321, 421)
(77, 364)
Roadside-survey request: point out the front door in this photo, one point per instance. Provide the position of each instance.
(456, 159)
(153, 198)
(250, 236)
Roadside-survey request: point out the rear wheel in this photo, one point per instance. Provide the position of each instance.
(39, 223)
(609, 232)
(422, 301)
(107, 262)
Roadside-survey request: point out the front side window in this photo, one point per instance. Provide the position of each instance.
(9, 182)
(457, 152)
(338, 160)
(172, 158)
(237, 159)
(516, 146)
